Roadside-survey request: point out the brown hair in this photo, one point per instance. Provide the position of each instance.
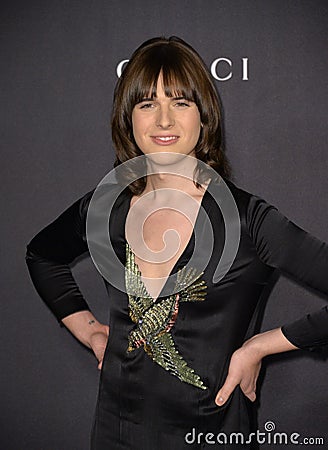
(184, 74)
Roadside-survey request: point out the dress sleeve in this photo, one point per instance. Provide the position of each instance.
(49, 254)
(283, 245)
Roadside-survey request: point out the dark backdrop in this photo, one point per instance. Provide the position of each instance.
(58, 70)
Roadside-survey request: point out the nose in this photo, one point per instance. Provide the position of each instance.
(165, 117)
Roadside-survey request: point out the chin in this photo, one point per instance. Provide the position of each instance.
(166, 157)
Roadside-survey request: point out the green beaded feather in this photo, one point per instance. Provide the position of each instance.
(154, 320)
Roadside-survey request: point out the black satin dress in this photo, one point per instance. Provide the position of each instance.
(146, 400)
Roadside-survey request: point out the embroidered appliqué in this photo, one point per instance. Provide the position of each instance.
(154, 320)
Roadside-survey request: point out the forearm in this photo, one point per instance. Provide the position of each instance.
(83, 325)
(268, 343)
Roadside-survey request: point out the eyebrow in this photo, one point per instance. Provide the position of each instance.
(149, 99)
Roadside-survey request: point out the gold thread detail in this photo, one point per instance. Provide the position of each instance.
(155, 319)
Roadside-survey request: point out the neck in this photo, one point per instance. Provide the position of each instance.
(171, 171)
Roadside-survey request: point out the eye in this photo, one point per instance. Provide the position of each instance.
(147, 105)
(182, 104)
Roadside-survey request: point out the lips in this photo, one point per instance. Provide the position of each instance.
(165, 140)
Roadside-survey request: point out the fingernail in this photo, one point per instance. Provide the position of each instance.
(220, 400)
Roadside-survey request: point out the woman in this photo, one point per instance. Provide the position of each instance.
(180, 357)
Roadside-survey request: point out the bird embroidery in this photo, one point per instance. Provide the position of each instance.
(154, 320)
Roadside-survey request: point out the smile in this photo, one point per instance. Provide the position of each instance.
(164, 140)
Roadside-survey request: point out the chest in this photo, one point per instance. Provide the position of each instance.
(158, 240)
(166, 235)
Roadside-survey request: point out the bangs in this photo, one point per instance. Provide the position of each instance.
(176, 75)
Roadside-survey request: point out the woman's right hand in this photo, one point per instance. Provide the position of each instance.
(86, 328)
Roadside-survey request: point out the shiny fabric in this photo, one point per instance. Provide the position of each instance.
(142, 406)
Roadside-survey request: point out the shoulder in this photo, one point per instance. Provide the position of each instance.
(240, 195)
(252, 208)
(102, 197)
(84, 202)
(243, 197)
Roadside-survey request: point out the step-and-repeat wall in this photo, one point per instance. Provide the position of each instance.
(60, 63)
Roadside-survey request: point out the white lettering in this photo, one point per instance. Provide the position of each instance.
(245, 69)
(192, 433)
(214, 69)
(199, 437)
(224, 436)
(294, 438)
(119, 67)
(259, 434)
(234, 438)
(250, 437)
(282, 438)
(209, 436)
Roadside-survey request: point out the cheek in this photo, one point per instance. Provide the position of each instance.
(139, 126)
(195, 127)
(136, 128)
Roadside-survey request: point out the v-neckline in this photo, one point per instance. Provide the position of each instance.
(173, 270)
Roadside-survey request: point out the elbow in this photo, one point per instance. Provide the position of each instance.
(29, 249)
(30, 253)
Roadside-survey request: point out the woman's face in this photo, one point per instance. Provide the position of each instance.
(166, 124)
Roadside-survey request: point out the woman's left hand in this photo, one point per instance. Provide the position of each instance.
(245, 363)
(244, 369)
